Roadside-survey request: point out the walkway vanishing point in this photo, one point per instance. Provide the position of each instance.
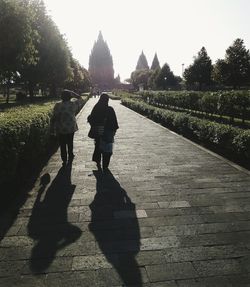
(168, 214)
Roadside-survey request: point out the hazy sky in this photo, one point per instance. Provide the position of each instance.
(175, 29)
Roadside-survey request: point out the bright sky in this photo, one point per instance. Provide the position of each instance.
(175, 29)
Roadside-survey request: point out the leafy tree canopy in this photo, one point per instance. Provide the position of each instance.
(235, 68)
(31, 46)
(165, 78)
(141, 77)
(17, 38)
(200, 71)
(80, 80)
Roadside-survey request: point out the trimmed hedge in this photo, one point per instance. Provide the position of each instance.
(227, 103)
(232, 141)
(24, 136)
(24, 139)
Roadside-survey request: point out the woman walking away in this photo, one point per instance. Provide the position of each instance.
(104, 124)
(63, 123)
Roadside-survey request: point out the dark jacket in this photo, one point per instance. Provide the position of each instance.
(103, 116)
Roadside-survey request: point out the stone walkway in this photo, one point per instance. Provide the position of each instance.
(168, 214)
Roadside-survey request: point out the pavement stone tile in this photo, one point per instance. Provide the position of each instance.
(15, 241)
(174, 204)
(120, 246)
(15, 253)
(158, 243)
(167, 212)
(205, 282)
(47, 265)
(72, 278)
(119, 233)
(239, 280)
(164, 284)
(80, 247)
(142, 258)
(215, 239)
(130, 214)
(207, 228)
(172, 271)
(23, 281)
(217, 267)
(132, 276)
(92, 262)
(11, 268)
(198, 253)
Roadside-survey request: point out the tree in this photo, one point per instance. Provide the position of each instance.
(56, 61)
(153, 77)
(31, 75)
(53, 66)
(165, 78)
(200, 71)
(101, 64)
(235, 68)
(80, 81)
(141, 77)
(142, 63)
(220, 72)
(155, 63)
(17, 39)
(32, 50)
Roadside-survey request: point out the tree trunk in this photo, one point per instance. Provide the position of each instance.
(53, 92)
(31, 90)
(4, 91)
(200, 86)
(8, 90)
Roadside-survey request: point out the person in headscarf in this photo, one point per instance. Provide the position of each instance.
(104, 123)
(63, 123)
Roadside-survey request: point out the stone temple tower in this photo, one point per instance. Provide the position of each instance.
(101, 69)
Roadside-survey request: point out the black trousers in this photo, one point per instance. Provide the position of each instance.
(98, 154)
(66, 146)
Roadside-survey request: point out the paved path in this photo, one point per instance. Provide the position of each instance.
(169, 214)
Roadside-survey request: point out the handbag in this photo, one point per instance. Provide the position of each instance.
(95, 131)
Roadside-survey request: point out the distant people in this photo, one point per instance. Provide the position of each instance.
(104, 124)
(63, 123)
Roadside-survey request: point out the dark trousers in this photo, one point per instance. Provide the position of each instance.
(66, 146)
(106, 159)
(99, 154)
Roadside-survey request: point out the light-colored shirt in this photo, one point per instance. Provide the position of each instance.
(63, 118)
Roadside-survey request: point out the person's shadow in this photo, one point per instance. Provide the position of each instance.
(48, 224)
(115, 226)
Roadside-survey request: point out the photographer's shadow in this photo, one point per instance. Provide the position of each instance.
(48, 224)
(115, 226)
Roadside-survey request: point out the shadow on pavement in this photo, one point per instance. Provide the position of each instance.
(115, 226)
(14, 194)
(48, 223)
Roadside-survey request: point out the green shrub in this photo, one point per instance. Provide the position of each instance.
(209, 103)
(180, 123)
(23, 135)
(228, 103)
(241, 144)
(24, 138)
